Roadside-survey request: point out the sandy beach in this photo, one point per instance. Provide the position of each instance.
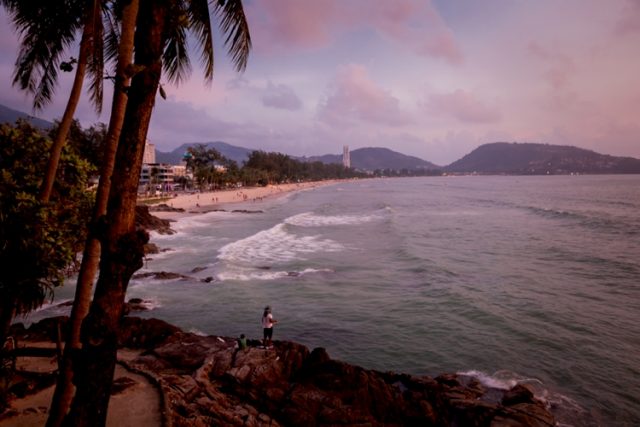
(205, 201)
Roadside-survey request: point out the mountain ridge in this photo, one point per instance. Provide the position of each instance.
(509, 158)
(528, 158)
(10, 116)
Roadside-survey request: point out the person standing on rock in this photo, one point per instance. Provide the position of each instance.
(267, 326)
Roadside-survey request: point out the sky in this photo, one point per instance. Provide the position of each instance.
(433, 79)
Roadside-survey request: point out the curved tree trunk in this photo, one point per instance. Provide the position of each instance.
(122, 246)
(91, 256)
(74, 97)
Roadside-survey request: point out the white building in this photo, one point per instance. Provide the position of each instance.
(149, 156)
(346, 157)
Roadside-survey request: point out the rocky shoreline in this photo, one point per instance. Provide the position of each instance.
(207, 380)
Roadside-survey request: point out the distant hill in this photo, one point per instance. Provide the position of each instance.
(238, 154)
(373, 158)
(540, 159)
(9, 115)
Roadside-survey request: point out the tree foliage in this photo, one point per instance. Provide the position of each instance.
(38, 240)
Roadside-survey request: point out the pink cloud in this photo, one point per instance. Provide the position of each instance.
(560, 67)
(287, 24)
(355, 97)
(630, 19)
(282, 97)
(463, 106)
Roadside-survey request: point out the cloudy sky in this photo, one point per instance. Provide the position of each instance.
(433, 79)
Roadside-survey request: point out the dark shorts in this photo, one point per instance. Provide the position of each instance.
(268, 333)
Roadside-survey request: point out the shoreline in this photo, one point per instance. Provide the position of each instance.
(203, 202)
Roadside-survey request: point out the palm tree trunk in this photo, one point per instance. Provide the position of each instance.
(122, 246)
(7, 312)
(64, 388)
(74, 97)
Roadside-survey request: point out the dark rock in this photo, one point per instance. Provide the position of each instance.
(207, 279)
(151, 248)
(206, 380)
(144, 333)
(163, 207)
(293, 274)
(246, 211)
(136, 304)
(145, 220)
(160, 275)
(521, 393)
(198, 269)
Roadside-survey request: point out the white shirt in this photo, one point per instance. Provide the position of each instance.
(267, 321)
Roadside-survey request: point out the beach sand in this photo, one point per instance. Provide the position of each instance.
(205, 201)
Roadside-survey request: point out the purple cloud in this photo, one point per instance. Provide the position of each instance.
(355, 97)
(281, 97)
(463, 106)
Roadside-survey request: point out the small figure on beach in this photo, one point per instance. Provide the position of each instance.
(242, 342)
(267, 326)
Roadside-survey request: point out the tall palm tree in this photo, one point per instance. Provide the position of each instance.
(47, 29)
(160, 43)
(65, 389)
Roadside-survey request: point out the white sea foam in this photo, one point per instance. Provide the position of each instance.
(274, 245)
(309, 219)
(246, 274)
(501, 380)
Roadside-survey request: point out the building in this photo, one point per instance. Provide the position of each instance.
(156, 175)
(149, 153)
(346, 157)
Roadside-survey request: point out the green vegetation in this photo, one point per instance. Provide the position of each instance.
(39, 240)
(212, 170)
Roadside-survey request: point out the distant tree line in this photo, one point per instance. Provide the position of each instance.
(212, 170)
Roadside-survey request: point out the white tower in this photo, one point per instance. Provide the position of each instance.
(346, 157)
(149, 153)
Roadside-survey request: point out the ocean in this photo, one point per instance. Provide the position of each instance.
(506, 278)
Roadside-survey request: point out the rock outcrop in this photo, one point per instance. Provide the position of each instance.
(149, 222)
(207, 380)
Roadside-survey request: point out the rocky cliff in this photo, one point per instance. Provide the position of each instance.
(206, 380)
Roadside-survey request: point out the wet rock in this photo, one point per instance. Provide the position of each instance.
(207, 279)
(149, 222)
(521, 393)
(160, 275)
(151, 249)
(198, 269)
(163, 207)
(136, 304)
(245, 211)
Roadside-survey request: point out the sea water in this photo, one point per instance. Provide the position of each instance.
(509, 279)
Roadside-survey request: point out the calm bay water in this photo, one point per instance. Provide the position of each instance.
(531, 279)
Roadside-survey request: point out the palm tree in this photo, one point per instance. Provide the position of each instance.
(48, 28)
(160, 43)
(65, 389)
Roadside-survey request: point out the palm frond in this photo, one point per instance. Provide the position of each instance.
(200, 24)
(46, 28)
(96, 55)
(233, 23)
(175, 57)
(112, 36)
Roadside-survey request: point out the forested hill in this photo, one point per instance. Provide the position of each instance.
(362, 158)
(540, 159)
(9, 115)
(372, 158)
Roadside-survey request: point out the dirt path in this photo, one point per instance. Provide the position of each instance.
(137, 404)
